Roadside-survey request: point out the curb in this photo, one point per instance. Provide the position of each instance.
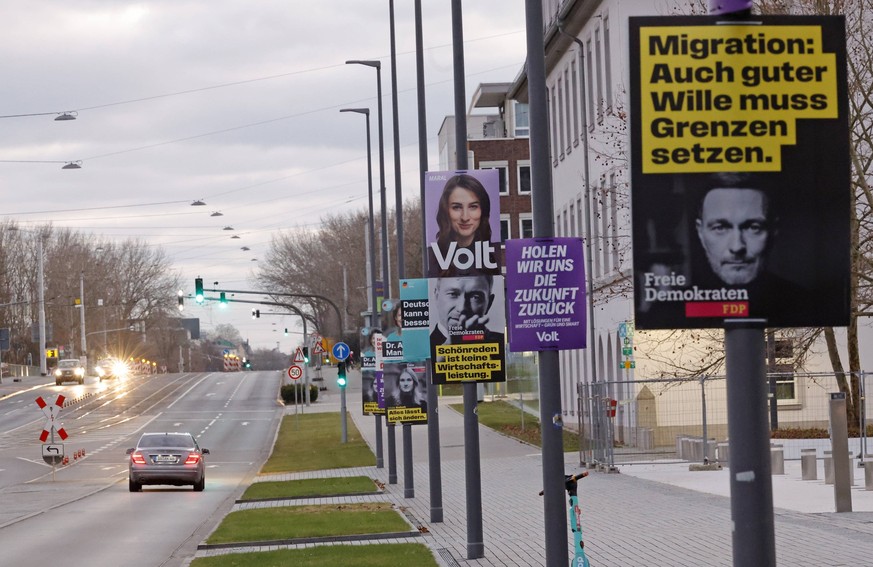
(308, 540)
(311, 497)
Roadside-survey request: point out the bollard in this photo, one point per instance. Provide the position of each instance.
(851, 471)
(808, 465)
(777, 460)
(868, 475)
(829, 468)
(724, 453)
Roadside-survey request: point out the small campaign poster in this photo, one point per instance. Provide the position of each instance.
(740, 171)
(545, 284)
(405, 392)
(467, 322)
(411, 319)
(462, 222)
(372, 385)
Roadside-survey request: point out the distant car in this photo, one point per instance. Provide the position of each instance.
(167, 458)
(69, 369)
(110, 368)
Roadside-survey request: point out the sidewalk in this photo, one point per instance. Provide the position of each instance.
(648, 515)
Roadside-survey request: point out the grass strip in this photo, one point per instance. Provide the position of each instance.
(381, 555)
(507, 419)
(311, 442)
(289, 522)
(310, 487)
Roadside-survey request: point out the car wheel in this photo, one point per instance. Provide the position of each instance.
(57, 382)
(199, 486)
(134, 486)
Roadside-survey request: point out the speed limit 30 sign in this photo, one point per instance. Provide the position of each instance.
(295, 372)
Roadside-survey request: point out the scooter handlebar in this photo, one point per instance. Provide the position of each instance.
(570, 481)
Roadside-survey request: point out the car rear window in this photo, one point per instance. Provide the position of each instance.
(68, 364)
(167, 440)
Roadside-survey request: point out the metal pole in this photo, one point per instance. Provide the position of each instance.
(472, 466)
(549, 370)
(344, 435)
(703, 402)
(751, 484)
(43, 367)
(82, 343)
(392, 450)
(433, 419)
(771, 369)
(408, 477)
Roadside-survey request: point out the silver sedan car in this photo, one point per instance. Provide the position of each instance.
(167, 458)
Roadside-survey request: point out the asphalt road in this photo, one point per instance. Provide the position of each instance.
(234, 415)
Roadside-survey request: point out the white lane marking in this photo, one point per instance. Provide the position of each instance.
(188, 390)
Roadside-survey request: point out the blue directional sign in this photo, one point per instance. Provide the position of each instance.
(340, 351)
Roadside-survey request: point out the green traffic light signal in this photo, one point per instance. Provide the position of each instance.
(306, 354)
(341, 380)
(222, 299)
(198, 290)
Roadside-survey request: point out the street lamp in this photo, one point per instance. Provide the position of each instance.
(392, 462)
(372, 258)
(371, 251)
(40, 284)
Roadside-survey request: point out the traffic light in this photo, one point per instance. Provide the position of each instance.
(256, 313)
(286, 331)
(181, 301)
(198, 290)
(222, 299)
(306, 354)
(341, 374)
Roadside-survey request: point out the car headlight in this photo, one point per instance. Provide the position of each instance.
(99, 371)
(58, 372)
(120, 369)
(80, 372)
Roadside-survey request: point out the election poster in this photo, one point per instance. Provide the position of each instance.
(545, 284)
(740, 171)
(372, 384)
(408, 340)
(462, 222)
(405, 392)
(467, 322)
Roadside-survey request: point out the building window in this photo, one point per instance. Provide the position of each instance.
(554, 148)
(572, 221)
(590, 85)
(522, 120)
(525, 225)
(560, 119)
(607, 63)
(786, 384)
(574, 93)
(604, 225)
(599, 67)
(524, 177)
(504, 228)
(567, 114)
(502, 168)
(613, 221)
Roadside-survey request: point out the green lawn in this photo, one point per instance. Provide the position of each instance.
(314, 444)
(288, 522)
(308, 487)
(506, 418)
(379, 555)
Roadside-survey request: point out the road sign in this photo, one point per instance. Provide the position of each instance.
(295, 372)
(53, 453)
(51, 413)
(51, 353)
(298, 356)
(318, 348)
(341, 351)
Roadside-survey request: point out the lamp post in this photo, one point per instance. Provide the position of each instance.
(372, 260)
(83, 343)
(40, 284)
(392, 461)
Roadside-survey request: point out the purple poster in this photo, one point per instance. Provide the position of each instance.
(462, 223)
(545, 292)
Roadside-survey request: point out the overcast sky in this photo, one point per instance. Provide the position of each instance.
(234, 103)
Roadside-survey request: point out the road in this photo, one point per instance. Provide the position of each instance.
(234, 415)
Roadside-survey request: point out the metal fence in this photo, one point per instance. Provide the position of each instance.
(686, 419)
